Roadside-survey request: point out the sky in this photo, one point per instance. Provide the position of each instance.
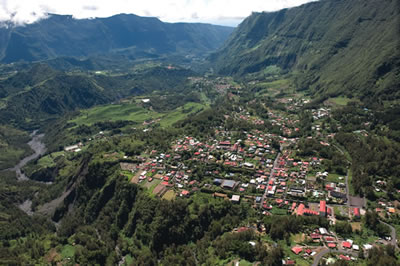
(221, 12)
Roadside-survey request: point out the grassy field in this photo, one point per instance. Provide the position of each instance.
(340, 100)
(114, 112)
(134, 112)
(68, 251)
(181, 113)
(274, 87)
(169, 195)
(335, 178)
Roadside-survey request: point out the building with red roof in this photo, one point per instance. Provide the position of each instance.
(297, 250)
(300, 209)
(356, 212)
(346, 244)
(315, 236)
(329, 239)
(331, 245)
(343, 257)
(185, 193)
(310, 212)
(322, 208)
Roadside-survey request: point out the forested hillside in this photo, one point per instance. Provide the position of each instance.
(124, 34)
(31, 97)
(345, 47)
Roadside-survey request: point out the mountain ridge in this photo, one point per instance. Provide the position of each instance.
(333, 47)
(128, 34)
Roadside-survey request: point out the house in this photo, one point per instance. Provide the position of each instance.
(346, 244)
(315, 236)
(331, 245)
(217, 181)
(220, 195)
(235, 198)
(322, 208)
(338, 195)
(356, 212)
(297, 250)
(329, 239)
(300, 209)
(185, 193)
(228, 184)
(258, 199)
(288, 262)
(343, 257)
(323, 231)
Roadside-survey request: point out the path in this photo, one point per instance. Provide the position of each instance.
(269, 178)
(393, 235)
(319, 256)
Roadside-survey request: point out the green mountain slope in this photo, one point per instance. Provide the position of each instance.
(333, 46)
(131, 35)
(31, 97)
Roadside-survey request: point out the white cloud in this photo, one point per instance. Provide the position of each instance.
(227, 12)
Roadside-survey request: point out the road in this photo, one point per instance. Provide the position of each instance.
(393, 235)
(269, 178)
(347, 189)
(319, 256)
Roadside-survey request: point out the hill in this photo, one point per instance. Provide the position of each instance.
(126, 34)
(348, 47)
(29, 98)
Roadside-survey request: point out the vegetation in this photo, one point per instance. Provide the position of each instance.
(300, 41)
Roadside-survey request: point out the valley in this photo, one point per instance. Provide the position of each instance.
(199, 147)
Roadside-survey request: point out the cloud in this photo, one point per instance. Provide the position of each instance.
(91, 8)
(225, 12)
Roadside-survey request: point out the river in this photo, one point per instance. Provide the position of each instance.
(38, 147)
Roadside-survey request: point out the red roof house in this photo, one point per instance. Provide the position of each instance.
(343, 257)
(300, 209)
(357, 212)
(322, 208)
(346, 244)
(297, 250)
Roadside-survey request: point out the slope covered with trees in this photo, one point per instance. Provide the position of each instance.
(31, 97)
(138, 37)
(333, 47)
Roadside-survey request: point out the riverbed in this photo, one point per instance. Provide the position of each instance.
(38, 147)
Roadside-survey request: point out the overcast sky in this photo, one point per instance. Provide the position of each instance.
(222, 12)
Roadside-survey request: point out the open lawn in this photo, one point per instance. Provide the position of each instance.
(134, 112)
(356, 226)
(339, 100)
(114, 112)
(181, 113)
(335, 178)
(169, 195)
(298, 238)
(274, 87)
(68, 251)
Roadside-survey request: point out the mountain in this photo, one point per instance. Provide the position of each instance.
(127, 34)
(334, 47)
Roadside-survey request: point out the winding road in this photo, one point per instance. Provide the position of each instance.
(393, 235)
(319, 256)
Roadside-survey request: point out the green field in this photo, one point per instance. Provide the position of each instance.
(340, 100)
(114, 112)
(134, 112)
(68, 251)
(335, 178)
